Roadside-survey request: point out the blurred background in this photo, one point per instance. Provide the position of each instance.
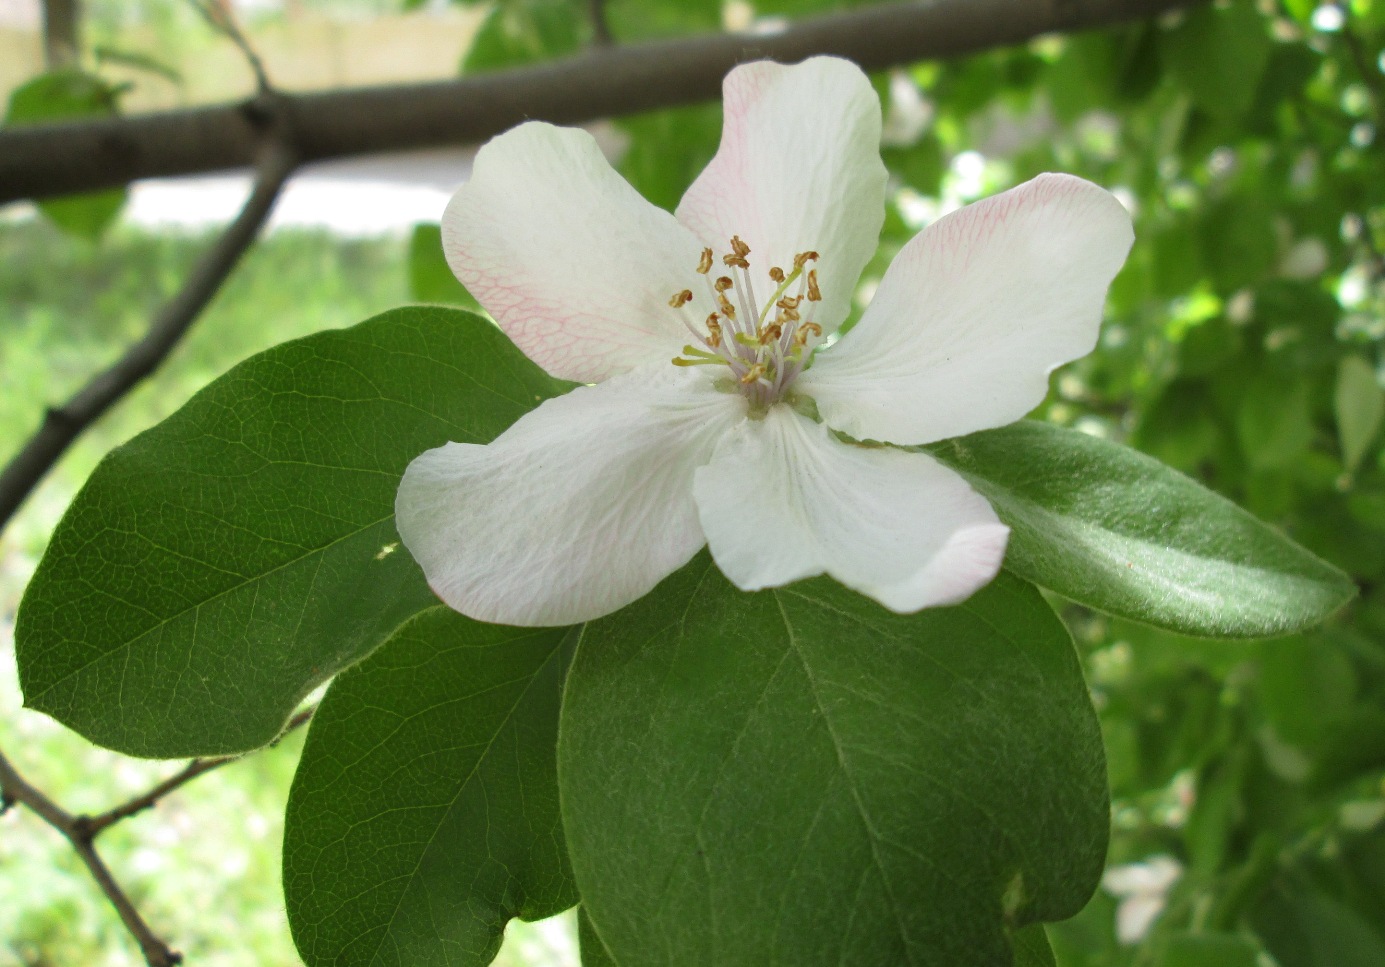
(1242, 346)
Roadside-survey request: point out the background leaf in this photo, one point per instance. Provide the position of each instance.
(424, 814)
(1118, 531)
(218, 567)
(65, 96)
(1360, 403)
(799, 776)
(594, 952)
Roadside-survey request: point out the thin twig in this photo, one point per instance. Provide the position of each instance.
(61, 425)
(222, 20)
(81, 833)
(15, 789)
(94, 825)
(601, 26)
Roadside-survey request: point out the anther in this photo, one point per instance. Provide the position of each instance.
(723, 283)
(814, 293)
(704, 264)
(771, 333)
(803, 258)
(714, 331)
(776, 274)
(680, 299)
(800, 337)
(753, 373)
(740, 248)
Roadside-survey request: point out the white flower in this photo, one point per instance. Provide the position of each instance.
(594, 497)
(1143, 889)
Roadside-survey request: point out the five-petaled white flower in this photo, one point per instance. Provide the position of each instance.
(718, 415)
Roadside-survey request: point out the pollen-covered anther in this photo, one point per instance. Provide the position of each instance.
(771, 333)
(814, 293)
(753, 373)
(776, 274)
(800, 337)
(704, 264)
(803, 258)
(723, 283)
(680, 299)
(739, 251)
(713, 331)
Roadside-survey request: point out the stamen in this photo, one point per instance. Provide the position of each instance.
(814, 293)
(704, 264)
(739, 251)
(723, 283)
(800, 337)
(753, 373)
(713, 330)
(776, 274)
(680, 299)
(803, 258)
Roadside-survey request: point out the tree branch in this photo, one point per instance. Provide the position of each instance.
(47, 160)
(15, 789)
(61, 425)
(81, 833)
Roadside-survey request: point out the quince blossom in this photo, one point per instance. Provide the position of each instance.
(719, 414)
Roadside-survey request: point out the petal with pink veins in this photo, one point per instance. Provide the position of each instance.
(798, 170)
(974, 314)
(572, 262)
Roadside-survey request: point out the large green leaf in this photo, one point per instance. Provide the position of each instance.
(594, 952)
(424, 814)
(800, 777)
(218, 567)
(1119, 531)
(1031, 947)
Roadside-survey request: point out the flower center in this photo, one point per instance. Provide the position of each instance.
(765, 346)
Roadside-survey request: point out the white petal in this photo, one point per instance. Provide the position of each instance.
(1136, 915)
(974, 314)
(571, 261)
(798, 169)
(782, 499)
(578, 509)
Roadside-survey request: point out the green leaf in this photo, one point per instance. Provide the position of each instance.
(218, 567)
(1219, 56)
(1274, 423)
(1360, 404)
(424, 814)
(1303, 927)
(594, 952)
(430, 277)
(65, 96)
(1206, 950)
(1031, 947)
(1118, 531)
(801, 777)
(520, 32)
